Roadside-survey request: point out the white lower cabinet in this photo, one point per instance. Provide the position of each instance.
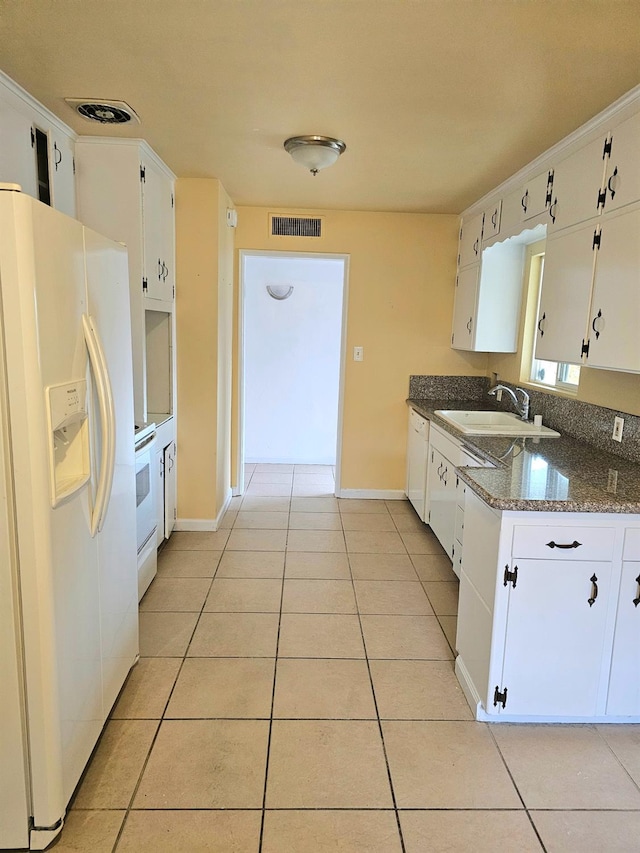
(417, 452)
(624, 684)
(165, 480)
(553, 635)
(554, 638)
(169, 468)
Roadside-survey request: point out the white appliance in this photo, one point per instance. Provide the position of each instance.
(146, 519)
(68, 584)
(417, 457)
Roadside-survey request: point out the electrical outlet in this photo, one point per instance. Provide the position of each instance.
(612, 482)
(358, 353)
(499, 394)
(618, 425)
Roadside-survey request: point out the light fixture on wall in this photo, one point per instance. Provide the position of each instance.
(280, 291)
(314, 152)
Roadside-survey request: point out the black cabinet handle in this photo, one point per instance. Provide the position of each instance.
(159, 269)
(540, 322)
(57, 156)
(525, 201)
(593, 325)
(594, 590)
(494, 218)
(613, 176)
(475, 246)
(573, 544)
(469, 324)
(552, 210)
(444, 475)
(636, 600)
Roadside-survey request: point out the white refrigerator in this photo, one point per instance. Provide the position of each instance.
(68, 574)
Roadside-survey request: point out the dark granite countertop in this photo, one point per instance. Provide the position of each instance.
(541, 474)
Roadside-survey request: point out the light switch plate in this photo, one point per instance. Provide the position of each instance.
(358, 353)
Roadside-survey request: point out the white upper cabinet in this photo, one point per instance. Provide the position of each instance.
(565, 297)
(613, 334)
(487, 301)
(577, 183)
(158, 230)
(590, 302)
(36, 149)
(491, 219)
(536, 195)
(470, 247)
(464, 309)
(621, 184)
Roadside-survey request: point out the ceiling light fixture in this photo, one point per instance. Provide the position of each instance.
(314, 152)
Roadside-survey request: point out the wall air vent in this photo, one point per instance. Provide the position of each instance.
(296, 226)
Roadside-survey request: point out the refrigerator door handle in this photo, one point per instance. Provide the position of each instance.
(107, 416)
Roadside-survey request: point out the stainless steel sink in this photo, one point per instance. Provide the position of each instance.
(493, 423)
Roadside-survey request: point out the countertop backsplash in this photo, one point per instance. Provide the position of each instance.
(583, 421)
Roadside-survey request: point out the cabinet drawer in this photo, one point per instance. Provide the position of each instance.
(631, 545)
(446, 445)
(563, 543)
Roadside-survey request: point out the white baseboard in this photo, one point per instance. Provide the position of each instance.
(195, 524)
(206, 524)
(373, 494)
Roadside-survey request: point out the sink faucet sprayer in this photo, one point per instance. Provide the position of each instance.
(521, 407)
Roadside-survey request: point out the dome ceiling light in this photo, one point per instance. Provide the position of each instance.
(314, 152)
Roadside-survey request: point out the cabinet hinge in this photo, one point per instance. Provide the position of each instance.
(602, 198)
(175, 514)
(432, 456)
(144, 285)
(550, 179)
(143, 173)
(172, 200)
(33, 138)
(452, 338)
(500, 698)
(73, 164)
(597, 237)
(606, 151)
(174, 291)
(453, 551)
(585, 348)
(510, 577)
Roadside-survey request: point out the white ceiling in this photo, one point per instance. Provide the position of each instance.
(437, 100)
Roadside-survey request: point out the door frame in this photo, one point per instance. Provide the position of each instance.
(238, 489)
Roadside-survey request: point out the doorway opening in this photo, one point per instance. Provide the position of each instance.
(292, 329)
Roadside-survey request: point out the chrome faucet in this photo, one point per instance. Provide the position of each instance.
(521, 407)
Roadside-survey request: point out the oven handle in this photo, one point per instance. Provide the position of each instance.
(145, 442)
(108, 418)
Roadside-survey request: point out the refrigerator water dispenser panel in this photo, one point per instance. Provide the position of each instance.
(69, 459)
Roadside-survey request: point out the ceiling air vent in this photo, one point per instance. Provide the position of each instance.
(105, 112)
(296, 226)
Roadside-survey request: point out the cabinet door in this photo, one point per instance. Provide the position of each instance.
(614, 341)
(565, 297)
(536, 195)
(169, 489)
(464, 308)
(577, 181)
(159, 493)
(158, 249)
(622, 178)
(417, 450)
(491, 226)
(555, 637)
(470, 240)
(442, 499)
(17, 155)
(624, 683)
(63, 173)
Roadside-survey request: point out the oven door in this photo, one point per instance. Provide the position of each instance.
(146, 521)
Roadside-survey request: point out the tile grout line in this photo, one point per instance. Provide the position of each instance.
(273, 689)
(162, 717)
(375, 704)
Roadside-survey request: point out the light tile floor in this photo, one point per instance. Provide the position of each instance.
(295, 694)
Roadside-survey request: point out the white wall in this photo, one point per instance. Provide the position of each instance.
(292, 359)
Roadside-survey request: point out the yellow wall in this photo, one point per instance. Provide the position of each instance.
(204, 261)
(401, 287)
